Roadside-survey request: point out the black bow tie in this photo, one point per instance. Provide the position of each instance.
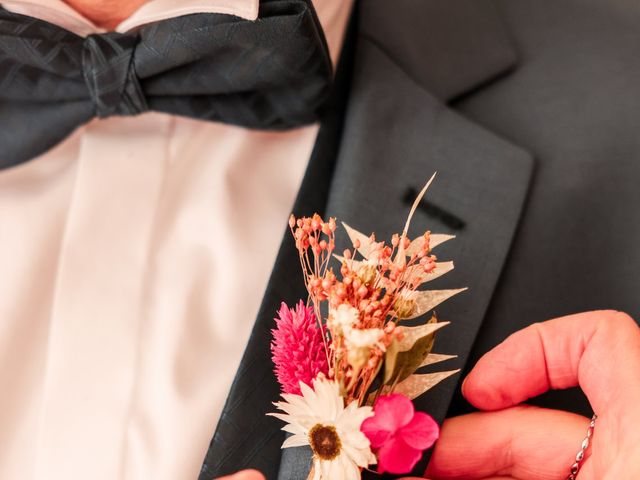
(274, 73)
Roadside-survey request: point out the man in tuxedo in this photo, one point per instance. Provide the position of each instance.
(138, 247)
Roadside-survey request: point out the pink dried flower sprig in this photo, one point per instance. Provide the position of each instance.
(373, 286)
(313, 235)
(298, 352)
(378, 287)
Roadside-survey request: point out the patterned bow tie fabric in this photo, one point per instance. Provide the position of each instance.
(273, 73)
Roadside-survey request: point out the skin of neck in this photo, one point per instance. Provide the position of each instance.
(106, 14)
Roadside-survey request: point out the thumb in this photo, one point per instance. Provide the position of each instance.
(600, 351)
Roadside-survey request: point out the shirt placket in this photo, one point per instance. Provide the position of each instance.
(93, 346)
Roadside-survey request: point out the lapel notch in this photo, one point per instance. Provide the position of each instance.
(449, 47)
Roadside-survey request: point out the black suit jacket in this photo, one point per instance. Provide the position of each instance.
(530, 112)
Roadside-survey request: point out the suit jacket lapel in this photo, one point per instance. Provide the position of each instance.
(398, 132)
(396, 135)
(449, 48)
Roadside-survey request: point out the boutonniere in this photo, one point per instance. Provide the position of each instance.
(348, 359)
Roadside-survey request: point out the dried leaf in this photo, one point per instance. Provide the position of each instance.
(435, 239)
(427, 300)
(365, 241)
(403, 360)
(416, 202)
(434, 358)
(403, 357)
(417, 276)
(417, 384)
(413, 334)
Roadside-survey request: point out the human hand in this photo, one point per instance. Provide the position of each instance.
(244, 475)
(600, 352)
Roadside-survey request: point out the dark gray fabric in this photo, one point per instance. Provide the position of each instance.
(574, 101)
(274, 73)
(447, 47)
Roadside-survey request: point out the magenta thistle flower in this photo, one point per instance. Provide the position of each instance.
(297, 348)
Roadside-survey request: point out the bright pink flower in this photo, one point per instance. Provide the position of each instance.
(297, 349)
(398, 433)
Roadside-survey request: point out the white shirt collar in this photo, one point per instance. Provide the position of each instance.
(61, 14)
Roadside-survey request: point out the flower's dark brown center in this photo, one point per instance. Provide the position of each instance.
(325, 442)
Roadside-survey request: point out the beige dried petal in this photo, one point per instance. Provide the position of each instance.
(434, 358)
(417, 384)
(427, 300)
(417, 276)
(341, 259)
(365, 242)
(412, 334)
(416, 202)
(435, 239)
(401, 364)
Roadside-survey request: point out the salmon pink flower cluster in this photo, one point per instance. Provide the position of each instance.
(348, 362)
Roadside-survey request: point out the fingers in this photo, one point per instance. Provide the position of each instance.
(521, 442)
(600, 351)
(244, 475)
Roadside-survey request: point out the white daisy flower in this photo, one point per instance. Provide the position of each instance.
(318, 418)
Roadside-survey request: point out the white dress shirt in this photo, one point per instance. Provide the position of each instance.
(133, 259)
